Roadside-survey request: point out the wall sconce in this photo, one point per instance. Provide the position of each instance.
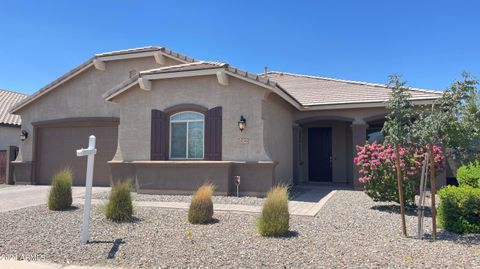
(242, 123)
(23, 135)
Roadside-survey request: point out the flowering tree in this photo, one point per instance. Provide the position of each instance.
(376, 164)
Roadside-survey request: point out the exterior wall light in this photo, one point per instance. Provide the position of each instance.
(242, 123)
(23, 135)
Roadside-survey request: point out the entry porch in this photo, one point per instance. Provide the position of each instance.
(324, 148)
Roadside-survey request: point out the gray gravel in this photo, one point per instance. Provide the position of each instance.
(245, 200)
(347, 233)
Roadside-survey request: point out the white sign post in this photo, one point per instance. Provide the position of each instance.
(90, 152)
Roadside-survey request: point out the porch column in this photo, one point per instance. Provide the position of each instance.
(296, 153)
(359, 136)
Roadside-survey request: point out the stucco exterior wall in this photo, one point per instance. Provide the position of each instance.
(278, 136)
(355, 114)
(80, 96)
(9, 136)
(238, 98)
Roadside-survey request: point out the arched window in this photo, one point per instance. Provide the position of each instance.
(187, 135)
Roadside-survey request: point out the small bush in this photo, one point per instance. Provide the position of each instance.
(469, 175)
(120, 207)
(459, 209)
(274, 219)
(201, 207)
(60, 195)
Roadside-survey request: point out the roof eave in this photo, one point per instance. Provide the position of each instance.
(10, 125)
(270, 85)
(52, 85)
(417, 101)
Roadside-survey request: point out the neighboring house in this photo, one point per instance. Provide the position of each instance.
(9, 123)
(9, 129)
(170, 123)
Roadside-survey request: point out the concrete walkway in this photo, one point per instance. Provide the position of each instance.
(14, 197)
(306, 204)
(13, 264)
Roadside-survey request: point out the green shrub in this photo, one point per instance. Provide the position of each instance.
(60, 195)
(120, 207)
(469, 175)
(274, 219)
(201, 207)
(459, 209)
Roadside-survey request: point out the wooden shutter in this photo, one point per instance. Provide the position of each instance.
(213, 134)
(158, 139)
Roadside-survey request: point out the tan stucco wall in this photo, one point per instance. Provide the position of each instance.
(80, 96)
(357, 114)
(238, 98)
(9, 136)
(278, 136)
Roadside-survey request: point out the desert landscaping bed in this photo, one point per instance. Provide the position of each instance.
(218, 199)
(350, 231)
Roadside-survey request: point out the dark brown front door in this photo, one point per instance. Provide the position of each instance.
(320, 154)
(3, 166)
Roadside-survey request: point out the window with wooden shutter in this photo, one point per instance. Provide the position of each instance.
(213, 134)
(158, 143)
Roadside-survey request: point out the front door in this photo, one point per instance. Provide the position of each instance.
(320, 154)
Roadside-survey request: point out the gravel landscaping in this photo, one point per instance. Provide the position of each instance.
(188, 198)
(218, 199)
(350, 231)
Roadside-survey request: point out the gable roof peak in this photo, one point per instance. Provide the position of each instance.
(106, 56)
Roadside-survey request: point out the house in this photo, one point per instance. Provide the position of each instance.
(170, 123)
(9, 127)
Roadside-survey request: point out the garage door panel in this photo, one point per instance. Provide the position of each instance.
(57, 149)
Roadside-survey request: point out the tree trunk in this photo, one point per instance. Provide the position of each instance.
(400, 189)
(433, 190)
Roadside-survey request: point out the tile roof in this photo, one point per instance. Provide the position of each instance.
(317, 91)
(7, 100)
(89, 62)
(147, 49)
(195, 66)
(202, 65)
(304, 91)
(300, 90)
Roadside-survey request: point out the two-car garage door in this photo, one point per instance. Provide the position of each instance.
(56, 145)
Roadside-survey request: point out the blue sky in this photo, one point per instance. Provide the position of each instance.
(428, 42)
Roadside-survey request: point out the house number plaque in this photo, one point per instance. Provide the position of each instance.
(243, 140)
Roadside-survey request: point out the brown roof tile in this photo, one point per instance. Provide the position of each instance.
(7, 100)
(314, 91)
(202, 65)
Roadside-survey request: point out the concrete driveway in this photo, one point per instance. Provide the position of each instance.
(21, 196)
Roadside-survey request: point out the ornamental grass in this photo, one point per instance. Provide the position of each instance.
(201, 207)
(274, 219)
(60, 195)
